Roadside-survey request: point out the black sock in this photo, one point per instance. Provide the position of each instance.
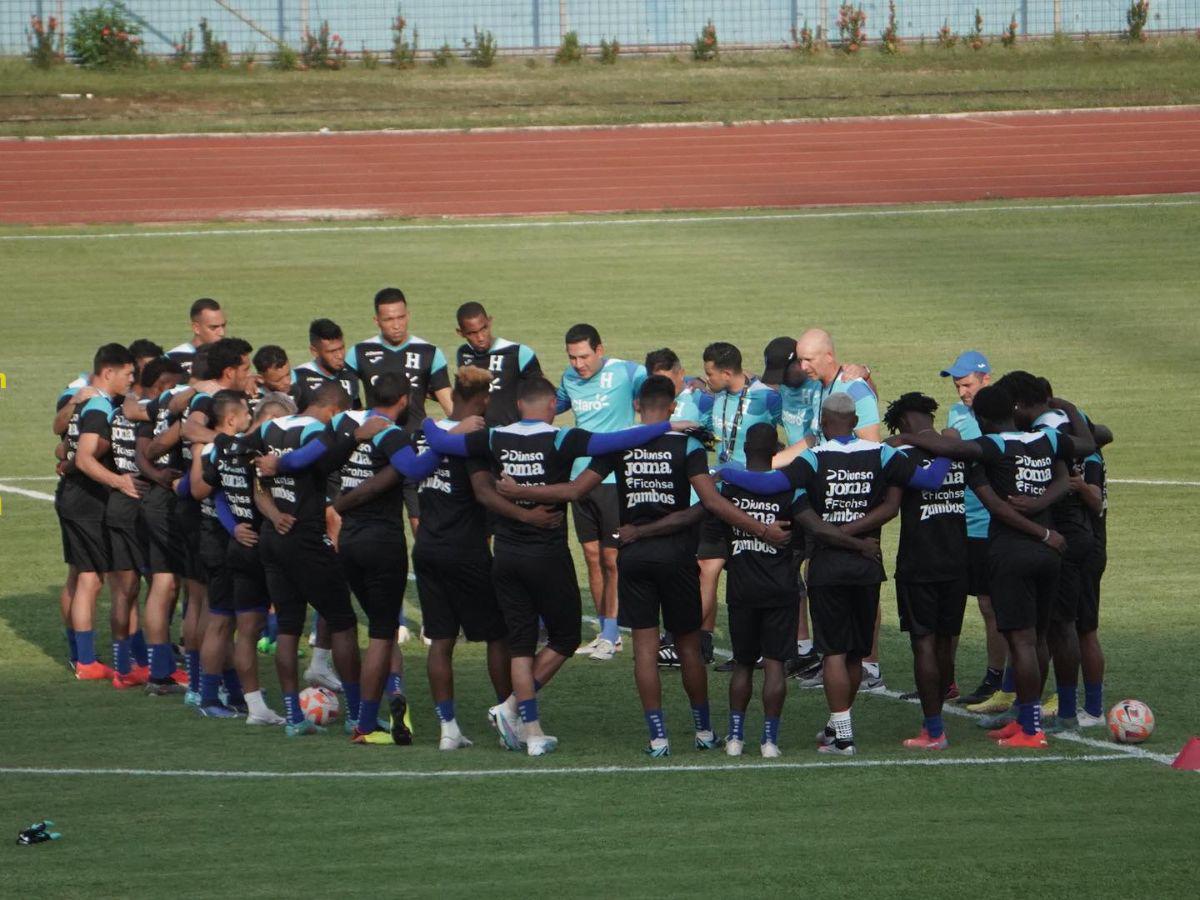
(993, 677)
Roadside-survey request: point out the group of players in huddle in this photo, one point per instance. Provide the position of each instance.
(258, 490)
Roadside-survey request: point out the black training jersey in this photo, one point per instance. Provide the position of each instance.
(230, 470)
(423, 364)
(757, 573)
(310, 377)
(161, 420)
(1069, 514)
(383, 517)
(509, 363)
(1095, 472)
(94, 416)
(1020, 462)
(452, 522)
(844, 480)
(654, 481)
(301, 494)
(124, 441)
(933, 526)
(185, 355)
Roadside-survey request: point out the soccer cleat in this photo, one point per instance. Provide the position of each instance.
(142, 672)
(998, 702)
(403, 635)
(586, 649)
(770, 750)
(191, 698)
(179, 676)
(707, 740)
(93, 671)
(540, 745)
(838, 748)
(1063, 725)
(1050, 707)
(454, 742)
(401, 723)
(162, 688)
(952, 692)
(239, 705)
(604, 650)
(659, 748)
(1035, 741)
(376, 738)
(812, 678)
(667, 657)
(725, 666)
(872, 683)
(320, 676)
(266, 646)
(999, 720)
(217, 710)
(979, 695)
(801, 663)
(270, 717)
(301, 728)
(826, 736)
(349, 726)
(133, 679)
(1006, 731)
(734, 746)
(507, 726)
(911, 695)
(924, 742)
(1087, 720)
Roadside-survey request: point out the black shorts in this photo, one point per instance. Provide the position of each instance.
(215, 572)
(457, 594)
(302, 570)
(1072, 579)
(597, 516)
(931, 607)
(1088, 619)
(533, 587)
(766, 631)
(977, 567)
(166, 551)
(377, 572)
(713, 544)
(84, 536)
(188, 520)
(650, 585)
(245, 567)
(126, 533)
(843, 617)
(412, 505)
(1023, 578)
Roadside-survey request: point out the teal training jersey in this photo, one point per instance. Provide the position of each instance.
(693, 405)
(603, 402)
(797, 410)
(866, 406)
(733, 413)
(962, 420)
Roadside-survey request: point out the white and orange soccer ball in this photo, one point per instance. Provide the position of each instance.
(319, 705)
(1130, 722)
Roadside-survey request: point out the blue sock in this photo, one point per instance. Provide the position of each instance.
(934, 727)
(1093, 698)
(1068, 704)
(368, 716)
(537, 685)
(122, 661)
(737, 722)
(395, 684)
(529, 710)
(291, 709)
(657, 724)
(137, 645)
(700, 717)
(353, 699)
(72, 653)
(770, 733)
(233, 684)
(1030, 717)
(1008, 682)
(193, 670)
(210, 685)
(85, 646)
(162, 661)
(272, 627)
(445, 711)
(609, 630)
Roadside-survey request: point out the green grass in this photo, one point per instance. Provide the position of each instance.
(1100, 299)
(515, 92)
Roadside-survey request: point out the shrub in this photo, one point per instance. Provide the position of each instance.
(442, 57)
(947, 39)
(706, 47)
(570, 50)
(183, 56)
(975, 40)
(1009, 38)
(609, 51)
(889, 38)
(324, 50)
(103, 38)
(404, 54)
(45, 42)
(214, 54)
(285, 58)
(481, 53)
(1136, 17)
(808, 41)
(369, 60)
(249, 60)
(852, 23)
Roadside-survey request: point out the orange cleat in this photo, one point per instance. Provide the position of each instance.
(1035, 741)
(93, 671)
(1000, 734)
(142, 672)
(924, 742)
(179, 677)
(120, 682)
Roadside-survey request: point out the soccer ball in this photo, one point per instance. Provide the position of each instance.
(319, 705)
(1130, 722)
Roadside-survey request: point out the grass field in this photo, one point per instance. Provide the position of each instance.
(1100, 297)
(740, 86)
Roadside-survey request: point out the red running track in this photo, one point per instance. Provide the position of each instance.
(521, 172)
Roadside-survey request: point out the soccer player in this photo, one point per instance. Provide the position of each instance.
(508, 362)
(82, 503)
(532, 571)
(739, 401)
(970, 372)
(301, 566)
(761, 592)
(599, 390)
(1023, 550)
(692, 402)
(328, 348)
(208, 326)
(273, 369)
(1092, 488)
(931, 568)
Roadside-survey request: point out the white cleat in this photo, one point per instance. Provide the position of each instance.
(734, 747)
(403, 635)
(540, 745)
(454, 742)
(270, 718)
(604, 651)
(507, 726)
(587, 649)
(770, 750)
(320, 676)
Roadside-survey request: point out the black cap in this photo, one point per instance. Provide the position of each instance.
(776, 358)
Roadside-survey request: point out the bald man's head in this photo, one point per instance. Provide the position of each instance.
(814, 352)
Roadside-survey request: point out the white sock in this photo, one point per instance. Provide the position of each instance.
(450, 729)
(322, 659)
(256, 704)
(804, 647)
(840, 723)
(871, 668)
(510, 705)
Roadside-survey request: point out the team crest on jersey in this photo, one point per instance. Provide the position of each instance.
(606, 379)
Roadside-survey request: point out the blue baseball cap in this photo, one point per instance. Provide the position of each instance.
(968, 361)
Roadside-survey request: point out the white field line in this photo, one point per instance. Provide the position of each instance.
(601, 223)
(36, 495)
(649, 769)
